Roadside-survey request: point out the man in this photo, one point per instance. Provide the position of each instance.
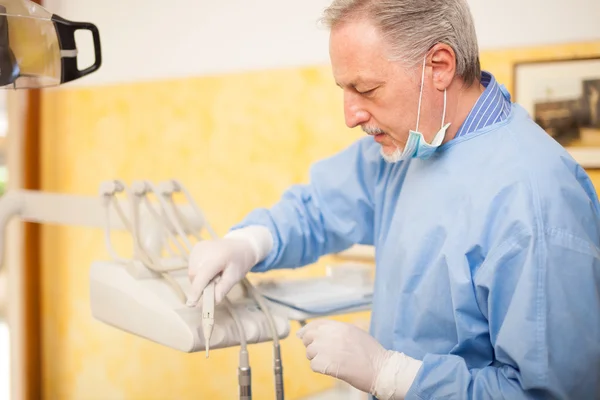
(486, 231)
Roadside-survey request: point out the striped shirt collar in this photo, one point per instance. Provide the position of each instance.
(493, 106)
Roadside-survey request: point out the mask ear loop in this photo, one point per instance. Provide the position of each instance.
(421, 97)
(421, 94)
(444, 113)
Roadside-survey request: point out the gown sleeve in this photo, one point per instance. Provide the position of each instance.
(334, 211)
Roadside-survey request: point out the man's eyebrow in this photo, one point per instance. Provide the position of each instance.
(361, 81)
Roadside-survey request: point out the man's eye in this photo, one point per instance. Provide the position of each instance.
(367, 92)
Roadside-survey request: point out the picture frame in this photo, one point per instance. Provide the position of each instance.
(563, 97)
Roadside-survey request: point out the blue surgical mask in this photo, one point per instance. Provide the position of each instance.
(416, 146)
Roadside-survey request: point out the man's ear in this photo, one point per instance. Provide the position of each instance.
(443, 64)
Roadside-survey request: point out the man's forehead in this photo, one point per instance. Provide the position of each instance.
(359, 69)
(358, 54)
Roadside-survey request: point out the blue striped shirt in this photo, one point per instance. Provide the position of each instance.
(493, 106)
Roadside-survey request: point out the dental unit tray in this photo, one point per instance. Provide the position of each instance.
(132, 299)
(302, 299)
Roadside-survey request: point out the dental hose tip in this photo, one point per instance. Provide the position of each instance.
(245, 377)
(278, 370)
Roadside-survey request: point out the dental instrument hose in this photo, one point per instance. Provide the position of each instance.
(208, 297)
(167, 228)
(109, 192)
(244, 371)
(175, 220)
(171, 221)
(258, 298)
(277, 364)
(148, 259)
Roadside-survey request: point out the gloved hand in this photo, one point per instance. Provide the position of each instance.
(347, 352)
(232, 257)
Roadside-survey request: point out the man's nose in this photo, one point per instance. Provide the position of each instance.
(354, 113)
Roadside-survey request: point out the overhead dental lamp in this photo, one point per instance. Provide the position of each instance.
(38, 49)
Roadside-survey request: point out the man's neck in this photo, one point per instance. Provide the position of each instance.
(461, 101)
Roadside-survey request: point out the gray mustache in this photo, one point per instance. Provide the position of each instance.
(371, 131)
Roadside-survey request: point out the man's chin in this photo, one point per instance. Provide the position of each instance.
(391, 155)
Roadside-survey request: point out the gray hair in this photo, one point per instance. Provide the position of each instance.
(412, 27)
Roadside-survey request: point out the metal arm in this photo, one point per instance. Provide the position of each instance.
(68, 210)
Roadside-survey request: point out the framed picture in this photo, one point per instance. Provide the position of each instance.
(563, 97)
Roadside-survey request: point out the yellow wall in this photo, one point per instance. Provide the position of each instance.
(237, 142)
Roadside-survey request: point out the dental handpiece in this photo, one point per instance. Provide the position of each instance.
(208, 313)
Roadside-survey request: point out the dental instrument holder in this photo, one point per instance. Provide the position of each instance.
(130, 297)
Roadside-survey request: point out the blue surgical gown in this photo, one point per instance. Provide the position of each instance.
(487, 258)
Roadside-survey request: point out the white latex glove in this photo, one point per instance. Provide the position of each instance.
(232, 257)
(347, 352)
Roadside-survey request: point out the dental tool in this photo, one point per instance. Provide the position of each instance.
(167, 189)
(170, 187)
(208, 313)
(165, 193)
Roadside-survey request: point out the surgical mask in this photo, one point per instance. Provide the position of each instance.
(37, 48)
(416, 146)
